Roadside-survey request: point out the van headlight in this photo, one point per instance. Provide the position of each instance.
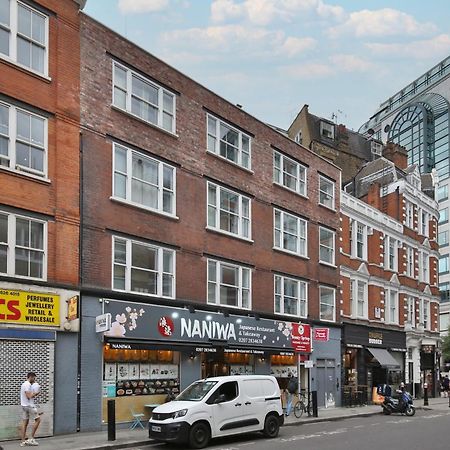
(180, 413)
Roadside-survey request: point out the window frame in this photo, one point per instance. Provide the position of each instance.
(331, 128)
(390, 243)
(128, 267)
(446, 242)
(321, 288)
(218, 266)
(425, 314)
(443, 188)
(13, 30)
(11, 245)
(409, 215)
(217, 140)
(333, 248)
(333, 196)
(13, 138)
(217, 208)
(445, 257)
(298, 180)
(356, 300)
(411, 311)
(129, 94)
(129, 180)
(300, 283)
(282, 232)
(410, 264)
(446, 214)
(354, 241)
(388, 293)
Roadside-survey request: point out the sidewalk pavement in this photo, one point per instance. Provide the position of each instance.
(132, 438)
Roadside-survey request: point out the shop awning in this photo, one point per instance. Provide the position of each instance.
(384, 358)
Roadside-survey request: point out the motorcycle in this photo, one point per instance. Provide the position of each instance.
(392, 405)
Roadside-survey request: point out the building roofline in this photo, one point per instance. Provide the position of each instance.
(209, 90)
(82, 3)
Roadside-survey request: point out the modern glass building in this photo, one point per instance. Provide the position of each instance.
(417, 117)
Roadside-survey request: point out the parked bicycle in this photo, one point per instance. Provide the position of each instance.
(301, 406)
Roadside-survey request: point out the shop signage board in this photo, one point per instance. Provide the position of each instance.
(309, 364)
(322, 334)
(29, 308)
(359, 336)
(301, 338)
(179, 325)
(72, 308)
(103, 323)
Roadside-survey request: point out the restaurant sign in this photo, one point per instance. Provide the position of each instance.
(169, 325)
(29, 308)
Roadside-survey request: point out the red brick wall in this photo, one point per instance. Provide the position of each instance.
(104, 217)
(59, 99)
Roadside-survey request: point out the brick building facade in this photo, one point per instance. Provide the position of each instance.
(191, 204)
(39, 207)
(389, 258)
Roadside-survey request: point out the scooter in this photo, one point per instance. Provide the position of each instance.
(392, 405)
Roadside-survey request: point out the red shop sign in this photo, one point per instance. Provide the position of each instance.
(301, 337)
(322, 334)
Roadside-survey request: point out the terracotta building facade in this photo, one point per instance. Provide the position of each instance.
(39, 208)
(206, 234)
(389, 259)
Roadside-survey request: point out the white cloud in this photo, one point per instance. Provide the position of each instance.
(381, 22)
(351, 63)
(306, 71)
(140, 6)
(433, 48)
(239, 40)
(263, 12)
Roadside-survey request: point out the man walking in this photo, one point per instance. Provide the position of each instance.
(292, 390)
(29, 410)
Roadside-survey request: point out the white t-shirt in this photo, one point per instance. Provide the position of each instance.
(24, 400)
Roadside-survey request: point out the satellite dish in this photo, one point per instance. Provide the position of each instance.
(370, 131)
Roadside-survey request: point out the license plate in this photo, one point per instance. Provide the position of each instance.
(155, 428)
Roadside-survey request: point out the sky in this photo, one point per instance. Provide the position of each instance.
(341, 57)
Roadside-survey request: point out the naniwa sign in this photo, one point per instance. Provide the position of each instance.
(143, 321)
(29, 308)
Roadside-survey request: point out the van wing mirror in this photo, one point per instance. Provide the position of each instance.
(220, 399)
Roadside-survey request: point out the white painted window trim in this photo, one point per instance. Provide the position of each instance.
(240, 287)
(354, 244)
(217, 209)
(388, 240)
(333, 248)
(13, 32)
(216, 150)
(388, 304)
(299, 180)
(282, 295)
(410, 266)
(425, 311)
(320, 303)
(12, 147)
(411, 311)
(354, 301)
(11, 245)
(161, 90)
(327, 180)
(299, 236)
(424, 267)
(128, 267)
(129, 177)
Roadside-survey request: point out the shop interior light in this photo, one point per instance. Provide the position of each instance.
(208, 317)
(238, 320)
(175, 315)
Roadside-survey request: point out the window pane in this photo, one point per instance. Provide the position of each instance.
(36, 264)
(23, 126)
(22, 262)
(167, 285)
(23, 52)
(229, 296)
(120, 252)
(167, 121)
(37, 130)
(22, 232)
(212, 271)
(37, 235)
(167, 261)
(167, 177)
(23, 155)
(37, 58)
(37, 159)
(143, 256)
(120, 159)
(143, 281)
(120, 77)
(119, 277)
(24, 20)
(4, 41)
(229, 275)
(4, 12)
(167, 202)
(120, 185)
(144, 90)
(145, 169)
(120, 98)
(168, 102)
(38, 28)
(3, 228)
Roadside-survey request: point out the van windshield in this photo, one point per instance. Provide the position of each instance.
(196, 391)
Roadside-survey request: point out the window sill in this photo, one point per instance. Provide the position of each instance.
(296, 316)
(22, 277)
(327, 207)
(25, 69)
(328, 264)
(225, 233)
(327, 320)
(209, 152)
(290, 253)
(26, 175)
(140, 119)
(143, 293)
(143, 208)
(291, 190)
(228, 306)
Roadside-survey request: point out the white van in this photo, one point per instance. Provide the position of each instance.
(219, 406)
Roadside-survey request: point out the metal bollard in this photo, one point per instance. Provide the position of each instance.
(111, 420)
(425, 395)
(314, 404)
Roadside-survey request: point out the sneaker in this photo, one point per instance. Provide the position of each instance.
(23, 443)
(32, 441)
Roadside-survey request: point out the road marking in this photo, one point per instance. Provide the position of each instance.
(432, 416)
(375, 424)
(359, 426)
(302, 437)
(400, 421)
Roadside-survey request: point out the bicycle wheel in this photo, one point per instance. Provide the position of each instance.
(298, 409)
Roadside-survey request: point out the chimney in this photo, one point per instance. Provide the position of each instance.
(397, 154)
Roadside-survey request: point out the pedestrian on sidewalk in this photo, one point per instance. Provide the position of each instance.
(446, 385)
(29, 411)
(292, 388)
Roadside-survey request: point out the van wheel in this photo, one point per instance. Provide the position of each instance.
(199, 435)
(271, 426)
